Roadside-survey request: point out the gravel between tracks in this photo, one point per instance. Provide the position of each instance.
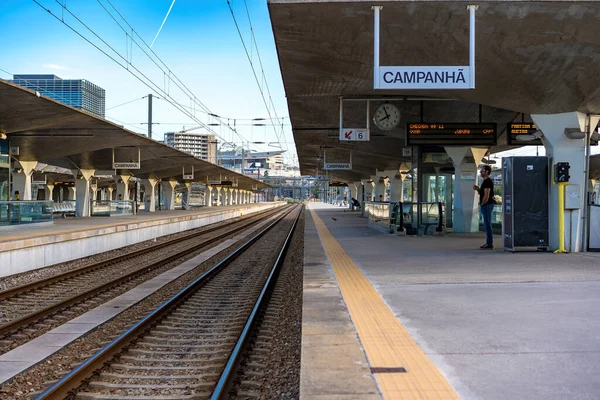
(282, 365)
(63, 361)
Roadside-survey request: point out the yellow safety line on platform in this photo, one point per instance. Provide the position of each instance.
(386, 342)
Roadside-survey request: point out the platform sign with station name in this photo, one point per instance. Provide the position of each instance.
(354, 134)
(213, 181)
(519, 129)
(424, 77)
(451, 134)
(337, 165)
(126, 165)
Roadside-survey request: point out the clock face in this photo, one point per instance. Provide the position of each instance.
(386, 117)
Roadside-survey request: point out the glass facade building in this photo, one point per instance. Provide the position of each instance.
(77, 93)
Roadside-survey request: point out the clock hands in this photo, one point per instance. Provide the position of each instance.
(387, 116)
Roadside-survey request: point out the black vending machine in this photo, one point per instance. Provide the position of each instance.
(525, 194)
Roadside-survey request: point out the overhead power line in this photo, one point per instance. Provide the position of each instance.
(270, 103)
(132, 69)
(128, 102)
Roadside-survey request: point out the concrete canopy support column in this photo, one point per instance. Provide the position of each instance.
(229, 196)
(150, 197)
(562, 149)
(188, 194)
(359, 191)
(110, 193)
(71, 193)
(397, 188)
(83, 196)
(48, 189)
(368, 189)
(170, 194)
(353, 187)
(208, 196)
(235, 197)
(218, 195)
(22, 181)
(466, 200)
(123, 187)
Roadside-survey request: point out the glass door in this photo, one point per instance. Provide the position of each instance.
(440, 188)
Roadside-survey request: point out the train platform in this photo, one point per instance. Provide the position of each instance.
(37, 246)
(437, 318)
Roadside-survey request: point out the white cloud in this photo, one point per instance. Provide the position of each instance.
(54, 66)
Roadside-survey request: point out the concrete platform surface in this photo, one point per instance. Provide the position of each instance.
(37, 246)
(497, 325)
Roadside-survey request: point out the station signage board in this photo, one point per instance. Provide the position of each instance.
(526, 128)
(355, 134)
(424, 77)
(126, 165)
(337, 184)
(451, 134)
(521, 128)
(338, 166)
(213, 181)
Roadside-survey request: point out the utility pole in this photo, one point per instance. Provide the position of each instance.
(150, 115)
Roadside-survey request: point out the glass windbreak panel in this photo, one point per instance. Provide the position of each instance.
(100, 208)
(4, 183)
(121, 207)
(380, 215)
(25, 212)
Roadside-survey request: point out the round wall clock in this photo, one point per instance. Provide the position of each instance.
(386, 117)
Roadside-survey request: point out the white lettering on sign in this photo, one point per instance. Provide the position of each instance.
(126, 165)
(354, 134)
(338, 166)
(424, 78)
(213, 182)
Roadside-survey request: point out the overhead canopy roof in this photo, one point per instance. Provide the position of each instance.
(531, 57)
(50, 132)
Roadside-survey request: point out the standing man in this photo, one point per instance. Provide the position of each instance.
(486, 204)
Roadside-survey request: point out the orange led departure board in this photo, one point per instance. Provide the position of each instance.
(521, 128)
(451, 134)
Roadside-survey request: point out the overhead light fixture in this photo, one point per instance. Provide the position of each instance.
(574, 133)
(3, 135)
(488, 161)
(528, 138)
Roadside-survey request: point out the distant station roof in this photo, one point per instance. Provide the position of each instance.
(531, 57)
(52, 133)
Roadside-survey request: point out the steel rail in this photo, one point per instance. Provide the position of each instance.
(51, 309)
(228, 374)
(102, 264)
(81, 373)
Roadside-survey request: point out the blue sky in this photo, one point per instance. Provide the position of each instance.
(199, 43)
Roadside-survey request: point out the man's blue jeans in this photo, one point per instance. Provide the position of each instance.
(486, 211)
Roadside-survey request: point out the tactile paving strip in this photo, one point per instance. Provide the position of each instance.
(401, 368)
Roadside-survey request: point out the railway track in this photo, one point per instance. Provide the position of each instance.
(190, 346)
(27, 305)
